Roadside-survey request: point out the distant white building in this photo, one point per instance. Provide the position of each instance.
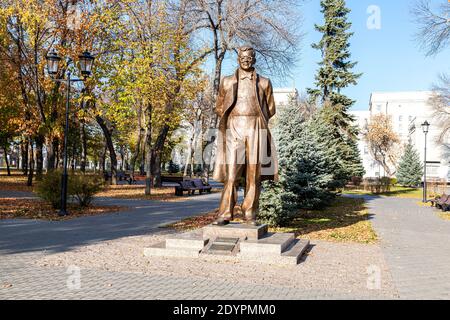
(283, 95)
(408, 110)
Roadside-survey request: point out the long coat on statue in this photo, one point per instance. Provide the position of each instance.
(226, 100)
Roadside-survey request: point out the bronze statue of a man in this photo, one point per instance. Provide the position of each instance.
(245, 104)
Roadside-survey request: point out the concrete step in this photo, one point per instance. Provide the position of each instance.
(291, 255)
(270, 244)
(222, 246)
(295, 251)
(160, 250)
(187, 241)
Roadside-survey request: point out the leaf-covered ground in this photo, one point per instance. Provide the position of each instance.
(12, 208)
(15, 182)
(346, 220)
(138, 192)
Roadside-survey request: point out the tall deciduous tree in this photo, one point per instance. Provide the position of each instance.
(440, 102)
(383, 142)
(434, 27)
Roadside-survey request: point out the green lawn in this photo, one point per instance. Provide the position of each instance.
(396, 191)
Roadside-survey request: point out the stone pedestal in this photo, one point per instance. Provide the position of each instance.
(245, 242)
(235, 230)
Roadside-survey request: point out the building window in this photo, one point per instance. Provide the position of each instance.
(400, 118)
(366, 151)
(379, 107)
(433, 170)
(400, 127)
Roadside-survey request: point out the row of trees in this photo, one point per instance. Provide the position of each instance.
(148, 76)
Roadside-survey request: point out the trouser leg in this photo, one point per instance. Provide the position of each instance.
(229, 193)
(253, 188)
(235, 161)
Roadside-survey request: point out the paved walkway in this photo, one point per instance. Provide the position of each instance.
(414, 240)
(22, 242)
(416, 245)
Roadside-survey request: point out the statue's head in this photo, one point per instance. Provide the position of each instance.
(246, 58)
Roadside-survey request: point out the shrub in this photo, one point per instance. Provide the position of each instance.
(356, 181)
(49, 188)
(83, 187)
(173, 167)
(276, 205)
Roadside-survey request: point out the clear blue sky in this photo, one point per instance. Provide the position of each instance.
(389, 57)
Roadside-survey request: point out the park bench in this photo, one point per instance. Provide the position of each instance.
(191, 186)
(438, 201)
(201, 186)
(445, 205)
(186, 185)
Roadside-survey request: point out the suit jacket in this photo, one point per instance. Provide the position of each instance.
(226, 100)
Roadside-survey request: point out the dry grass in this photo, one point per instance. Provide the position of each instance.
(13, 208)
(346, 220)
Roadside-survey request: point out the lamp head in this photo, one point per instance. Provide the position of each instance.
(53, 62)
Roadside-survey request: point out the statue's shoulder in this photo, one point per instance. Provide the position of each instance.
(265, 82)
(227, 81)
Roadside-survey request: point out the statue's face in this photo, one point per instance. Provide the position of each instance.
(246, 61)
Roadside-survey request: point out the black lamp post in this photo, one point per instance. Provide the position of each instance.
(86, 61)
(425, 128)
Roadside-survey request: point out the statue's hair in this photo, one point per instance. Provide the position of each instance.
(246, 48)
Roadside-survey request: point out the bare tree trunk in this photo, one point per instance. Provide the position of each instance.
(112, 152)
(39, 156)
(103, 159)
(213, 119)
(144, 155)
(148, 150)
(24, 155)
(122, 157)
(52, 151)
(31, 164)
(5, 151)
(156, 153)
(83, 161)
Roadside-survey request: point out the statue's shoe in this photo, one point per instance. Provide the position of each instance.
(221, 222)
(252, 223)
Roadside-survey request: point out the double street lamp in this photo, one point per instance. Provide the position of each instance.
(86, 60)
(425, 128)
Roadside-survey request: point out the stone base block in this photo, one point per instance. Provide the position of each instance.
(270, 244)
(235, 230)
(160, 250)
(291, 256)
(187, 240)
(239, 241)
